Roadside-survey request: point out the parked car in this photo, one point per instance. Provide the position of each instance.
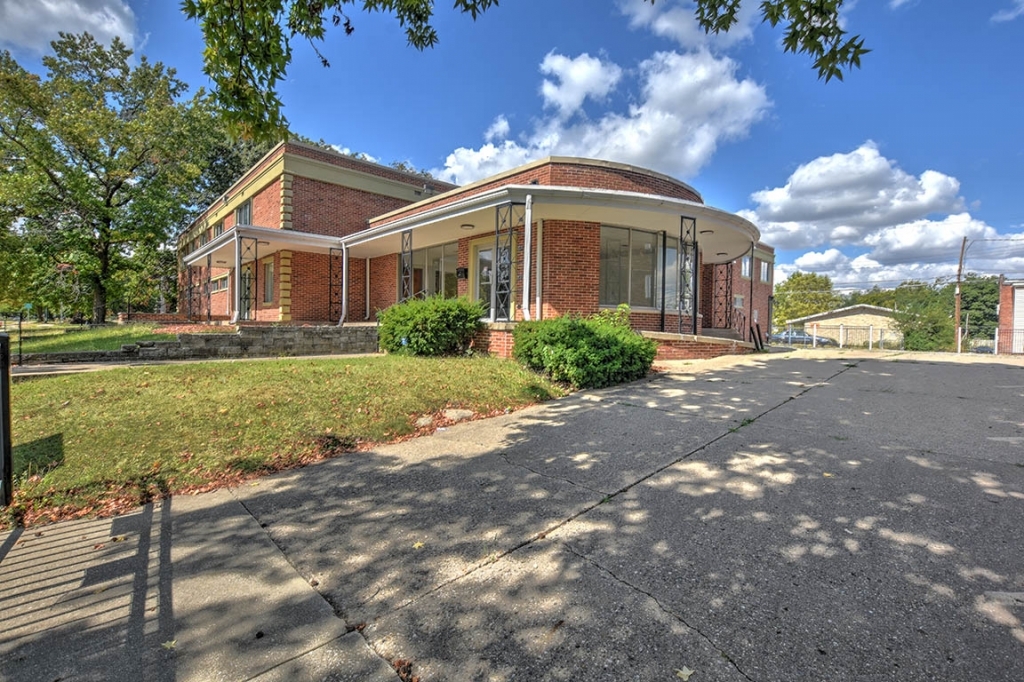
(795, 338)
(984, 349)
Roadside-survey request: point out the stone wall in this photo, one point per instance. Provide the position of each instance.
(248, 342)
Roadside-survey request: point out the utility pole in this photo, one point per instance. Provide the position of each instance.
(956, 311)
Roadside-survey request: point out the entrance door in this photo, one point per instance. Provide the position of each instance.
(485, 275)
(245, 302)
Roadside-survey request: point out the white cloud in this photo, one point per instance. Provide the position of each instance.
(32, 25)
(687, 104)
(861, 219)
(893, 4)
(840, 199)
(578, 78)
(1010, 13)
(676, 20)
(498, 130)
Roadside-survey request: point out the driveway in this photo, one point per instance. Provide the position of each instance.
(820, 515)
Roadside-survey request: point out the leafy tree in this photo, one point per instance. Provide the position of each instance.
(924, 315)
(979, 297)
(884, 298)
(99, 157)
(804, 293)
(248, 45)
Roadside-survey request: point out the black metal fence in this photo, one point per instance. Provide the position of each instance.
(6, 460)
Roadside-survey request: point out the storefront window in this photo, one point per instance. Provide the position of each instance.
(632, 267)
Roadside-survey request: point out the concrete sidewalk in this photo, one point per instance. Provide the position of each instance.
(802, 516)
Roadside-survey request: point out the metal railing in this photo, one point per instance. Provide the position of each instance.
(6, 460)
(1009, 341)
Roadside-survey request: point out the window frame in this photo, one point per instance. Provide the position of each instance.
(746, 267)
(268, 281)
(766, 272)
(246, 208)
(663, 244)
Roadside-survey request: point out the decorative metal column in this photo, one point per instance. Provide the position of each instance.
(209, 287)
(247, 292)
(334, 284)
(509, 217)
(688, 271)
(722, 312)
(406, 262)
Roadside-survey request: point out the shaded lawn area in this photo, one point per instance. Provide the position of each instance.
(104, 442)
(57, 338)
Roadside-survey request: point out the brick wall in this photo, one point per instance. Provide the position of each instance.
(687, 347)
(383, 282)
(266, 206)
(572, 267)
(325, 208)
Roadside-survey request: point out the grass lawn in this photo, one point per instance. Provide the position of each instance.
(55, 338)
(103, 442)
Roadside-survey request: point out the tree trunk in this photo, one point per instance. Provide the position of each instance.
(99, 284)
(99, 302)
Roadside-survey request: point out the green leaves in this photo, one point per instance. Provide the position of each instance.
(249, 48)
(804, 293)
(100, 154)
(813, 27)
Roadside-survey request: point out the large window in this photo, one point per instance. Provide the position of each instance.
(766, 271)
(639, 268)
(745, 266)
(433, 271)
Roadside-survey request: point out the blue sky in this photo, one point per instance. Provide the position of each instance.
(872, 180)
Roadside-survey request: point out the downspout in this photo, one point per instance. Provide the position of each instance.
(664, 263)
(540, 269)
(366, 285)
(344, 283)
(527, 245)
(750, 317)
(238, 279)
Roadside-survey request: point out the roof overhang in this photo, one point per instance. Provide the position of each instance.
(220, 252)
(722, 236)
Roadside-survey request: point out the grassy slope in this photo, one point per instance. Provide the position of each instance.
(104, 441)
(61, 338)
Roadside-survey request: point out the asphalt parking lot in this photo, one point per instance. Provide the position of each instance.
(818, 515)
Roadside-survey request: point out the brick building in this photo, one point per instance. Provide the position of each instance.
(322, 238)
(1010, 332)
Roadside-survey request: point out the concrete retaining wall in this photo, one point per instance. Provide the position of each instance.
(248, 342)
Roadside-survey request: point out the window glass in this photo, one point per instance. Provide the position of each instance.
(737, 301)
(268, 282)
(450, 255)
(766, 270)
(218, 229)
(671, 276)
(643, 267)
(745, 267)
(243, 214)
(614, 266)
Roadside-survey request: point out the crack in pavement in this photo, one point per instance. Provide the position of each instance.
(509, 462)
(664, 609)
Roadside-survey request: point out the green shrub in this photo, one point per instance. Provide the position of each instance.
(587, 352)
(430, 326)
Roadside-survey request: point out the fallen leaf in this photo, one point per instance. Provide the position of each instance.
(170, 644)
(118, 538)
(417, 545)
(828, 475)
(685, 673)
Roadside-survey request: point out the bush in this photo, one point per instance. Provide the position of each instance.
(587, 352)
(430, 326)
